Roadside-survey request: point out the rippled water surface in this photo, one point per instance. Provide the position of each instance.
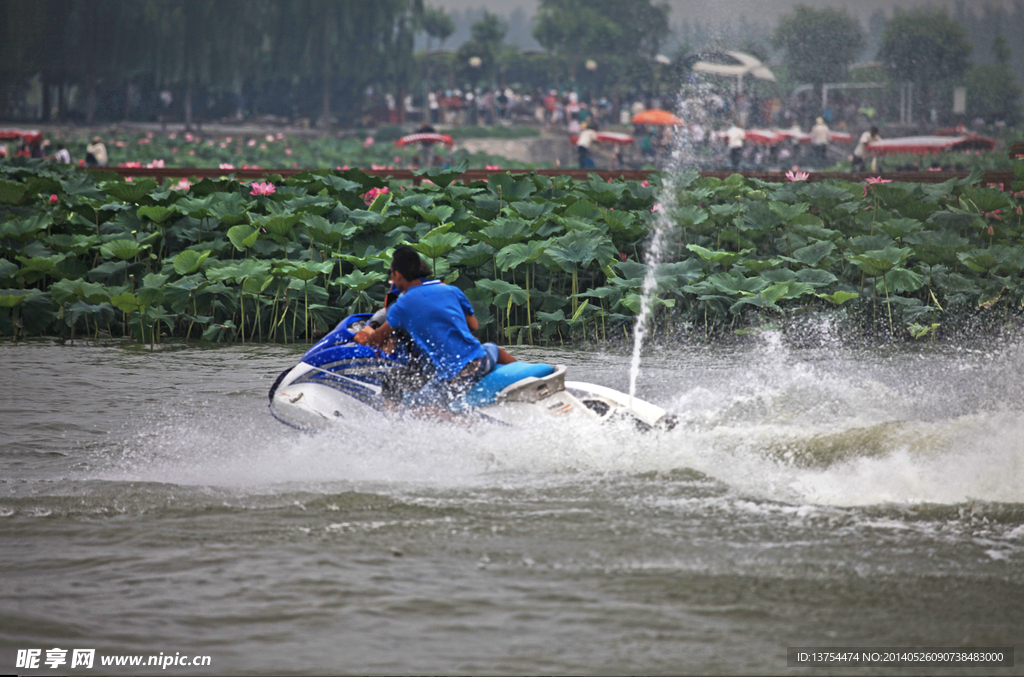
(825, 496)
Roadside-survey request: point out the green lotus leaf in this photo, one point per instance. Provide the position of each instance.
(360, 281)
(129, 191)
(243, 236)
(901, 279)
(880, 261)
(472, 256)
(12, 193)
(839, 297)
(126, 302)
(436, 245)
(504, 292)
(122, 249)
(522, 252)
(812, 254)
(189, 261)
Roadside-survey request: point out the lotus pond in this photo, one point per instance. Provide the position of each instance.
(545, 260)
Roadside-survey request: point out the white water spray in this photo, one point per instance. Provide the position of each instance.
(681, 157)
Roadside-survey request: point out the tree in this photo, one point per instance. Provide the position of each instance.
(438, 24)
(926, 47)
(992, 92)
(819, 44)
(587, 28)
(486, 38)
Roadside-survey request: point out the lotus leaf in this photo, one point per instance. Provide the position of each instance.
(515, 255)
(436, 245)
(979, 261)
(815, 277)
(901, 279)
(132, 192)
(725, 259)
(504, 292)
(127, 302)
(839, 297)
(242, 237)
(122, 249)
(12, 193)
(812, 255)
(504, 232)
(880, 261)
(578, 250)
(360, 281)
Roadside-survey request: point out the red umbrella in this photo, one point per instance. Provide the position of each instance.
(425, 136)
(30, 136)
(763, 137)
(655, 116)
(927, 145)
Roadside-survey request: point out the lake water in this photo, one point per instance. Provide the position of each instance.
(814, 496)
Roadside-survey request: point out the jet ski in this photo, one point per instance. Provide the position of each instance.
(339, 380)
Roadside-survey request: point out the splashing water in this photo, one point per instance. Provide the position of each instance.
(681, 157)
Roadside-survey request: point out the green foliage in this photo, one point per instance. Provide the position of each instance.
(924, 45)
(541, 258)
(819, 44)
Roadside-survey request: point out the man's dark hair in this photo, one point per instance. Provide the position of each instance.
(406, 261)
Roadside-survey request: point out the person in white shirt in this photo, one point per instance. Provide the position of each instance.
(62, 155)
(587, 137)
(861, 151)
(735, 136)
(819, 138)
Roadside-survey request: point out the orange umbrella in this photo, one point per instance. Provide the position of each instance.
(655, 116)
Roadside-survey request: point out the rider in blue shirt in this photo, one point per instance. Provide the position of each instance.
(440, 320)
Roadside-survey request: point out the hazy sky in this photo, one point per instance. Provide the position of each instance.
(717, 10)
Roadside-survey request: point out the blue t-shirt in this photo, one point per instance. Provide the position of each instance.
(434, 314)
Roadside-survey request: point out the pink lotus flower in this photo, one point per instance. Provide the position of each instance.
(228, 139)
(797, 175)
(645, 184)
(143, 141)
(371, 195)
(172, 135)
(183, 185)
(155, 164)
(376, 167)
(874, 179)
(174, 150)
(262, 188)
(368, 142)
(189, 137)
(656, 208)
(279, 136)
(287, 151)
(226, 165)
(1020, 211)
(149, 135)
(251, 143)
(492, 168)
(129, 179)
(993, 215)
(192, 151)
(223, 145)
(263, 146)
(270, 137)
(121, 144)
(54, 199)
(622, 255)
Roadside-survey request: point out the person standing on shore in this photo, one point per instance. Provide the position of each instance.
(861, 150)
(819, 139)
